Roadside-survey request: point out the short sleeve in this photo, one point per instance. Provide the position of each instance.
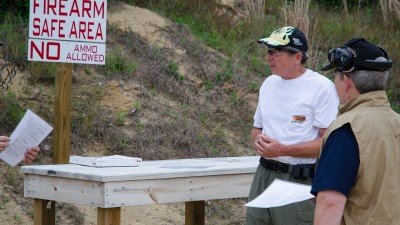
(257, 118)
(326, 108)
(337, 168)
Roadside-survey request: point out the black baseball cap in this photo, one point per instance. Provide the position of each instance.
(286, 37)
(357, 54)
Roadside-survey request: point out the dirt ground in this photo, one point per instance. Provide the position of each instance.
(142, 215)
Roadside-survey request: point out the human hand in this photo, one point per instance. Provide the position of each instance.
(30, 155)
(4, 141)
(269, 147)
(256, 143)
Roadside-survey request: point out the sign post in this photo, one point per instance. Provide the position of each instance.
(64, 31)
(62, 113)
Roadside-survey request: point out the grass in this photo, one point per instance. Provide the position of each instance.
(118, 65)
(11, 112)
(121, 117)
(13, 34)
(173, 70)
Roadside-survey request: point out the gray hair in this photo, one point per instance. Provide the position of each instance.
(368, 80)
(304, 55)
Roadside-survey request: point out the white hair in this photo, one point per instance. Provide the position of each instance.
(368, 80)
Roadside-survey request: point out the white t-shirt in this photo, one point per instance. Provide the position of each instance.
(292, 111)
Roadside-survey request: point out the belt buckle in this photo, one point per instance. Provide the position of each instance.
(280, 167)
(290, 169)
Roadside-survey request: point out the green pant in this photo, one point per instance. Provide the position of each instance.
(300, 213)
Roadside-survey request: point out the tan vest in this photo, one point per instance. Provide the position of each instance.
(375, 197)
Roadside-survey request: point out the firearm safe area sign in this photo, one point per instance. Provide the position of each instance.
(72, 31)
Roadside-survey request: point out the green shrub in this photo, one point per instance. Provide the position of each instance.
(16, 7)
(118, 65)
(121, 117)
(11, 112)
(13, 34)
(173, 70)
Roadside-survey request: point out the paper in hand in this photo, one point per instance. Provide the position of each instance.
(280, 193)
(30, 131)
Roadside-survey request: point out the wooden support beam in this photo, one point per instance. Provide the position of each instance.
(62, 114)
(195, 213)
(109, 216)
(44, 212)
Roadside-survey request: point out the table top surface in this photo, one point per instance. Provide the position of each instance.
(157, 169)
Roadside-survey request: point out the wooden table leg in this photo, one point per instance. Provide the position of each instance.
(44, 215)
(195, 213)
(109, 216)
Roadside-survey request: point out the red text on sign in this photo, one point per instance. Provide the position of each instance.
(47, 28)
(56, 28)
(45, 49)
(86, 8)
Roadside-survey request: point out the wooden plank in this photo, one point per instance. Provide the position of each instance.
(111, 216)
(44, 215)
(159, 169)
(62, 114)
(195, 213)
(64, 190)
(130, 193)
(171, 190)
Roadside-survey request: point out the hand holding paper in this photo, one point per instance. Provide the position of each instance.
(30, 155)
(30, 131)
(4, 141)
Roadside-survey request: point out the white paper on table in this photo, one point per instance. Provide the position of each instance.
(30, 131)
(192, 165)
(105, 161)
(280, 193)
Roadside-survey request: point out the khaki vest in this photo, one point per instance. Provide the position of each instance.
(375, 197)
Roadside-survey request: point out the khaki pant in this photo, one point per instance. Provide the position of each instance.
(301, 213)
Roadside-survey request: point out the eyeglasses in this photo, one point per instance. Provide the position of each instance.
(275, 51)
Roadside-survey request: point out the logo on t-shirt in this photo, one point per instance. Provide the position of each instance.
(298, 118)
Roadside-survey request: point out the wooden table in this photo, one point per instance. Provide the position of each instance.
(192, 181)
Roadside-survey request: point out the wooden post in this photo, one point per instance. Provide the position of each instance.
(62, 137)
(195, 213)
(62, 114)
(109, 216)
(42, 213)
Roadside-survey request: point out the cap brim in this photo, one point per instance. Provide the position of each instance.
(327, 67)
(270, 42)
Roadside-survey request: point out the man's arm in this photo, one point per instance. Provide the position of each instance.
(255, 132)
(329, 208)
(269, 147)
(254, 136)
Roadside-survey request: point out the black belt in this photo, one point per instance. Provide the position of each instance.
(299, 171)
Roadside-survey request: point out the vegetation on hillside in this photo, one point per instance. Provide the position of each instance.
(207, 113)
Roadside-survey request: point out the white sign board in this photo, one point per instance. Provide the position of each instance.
(72, 31)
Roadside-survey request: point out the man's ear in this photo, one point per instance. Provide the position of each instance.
(349, 84)
(299, 56)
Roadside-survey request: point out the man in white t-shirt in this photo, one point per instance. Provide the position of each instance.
(295, 107)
